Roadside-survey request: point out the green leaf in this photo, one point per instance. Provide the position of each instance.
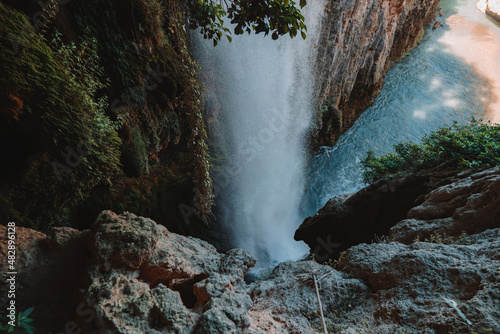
(302, 3)
(30, 329)
(229, 38)
(303, 35)
(28, 311)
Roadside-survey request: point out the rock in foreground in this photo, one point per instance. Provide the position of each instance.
(146, 279)
(445, 201)
(389, 288)
(131, 275)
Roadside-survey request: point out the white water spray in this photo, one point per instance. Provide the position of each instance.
(264, 94)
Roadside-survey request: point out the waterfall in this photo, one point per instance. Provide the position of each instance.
(260, 95)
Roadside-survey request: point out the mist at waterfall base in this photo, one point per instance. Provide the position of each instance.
(259, 106)
(452, 75)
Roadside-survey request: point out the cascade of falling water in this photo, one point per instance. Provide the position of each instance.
(263, 93)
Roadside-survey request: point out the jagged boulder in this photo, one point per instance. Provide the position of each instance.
(146, 279)
(286, 302)
(441, 200)
(349, 220)
(388, 288)
(417, 285)
(470, 205)
(130, 275)
(342, 223)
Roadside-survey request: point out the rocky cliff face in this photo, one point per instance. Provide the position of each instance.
(388, 288)
(358, 43)
(128, 274)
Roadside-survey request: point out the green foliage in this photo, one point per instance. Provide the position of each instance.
(100, 20)
(275, 17)
(60, 110)
(23, 323)
(56, 97)
(208, 16)
(464, 146)
(83, 65)
(156, 39)
(204, 196)
(134, 155)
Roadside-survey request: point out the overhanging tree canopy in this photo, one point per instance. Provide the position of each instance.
(275, 17)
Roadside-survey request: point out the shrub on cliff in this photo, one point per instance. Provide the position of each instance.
(465, 146)
(56, 141)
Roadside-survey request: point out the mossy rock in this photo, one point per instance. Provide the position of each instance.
(134, 155)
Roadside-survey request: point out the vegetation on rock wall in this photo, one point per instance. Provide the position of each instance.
(57, 143)
(101, 98)
(159, 98)
(476, 145)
